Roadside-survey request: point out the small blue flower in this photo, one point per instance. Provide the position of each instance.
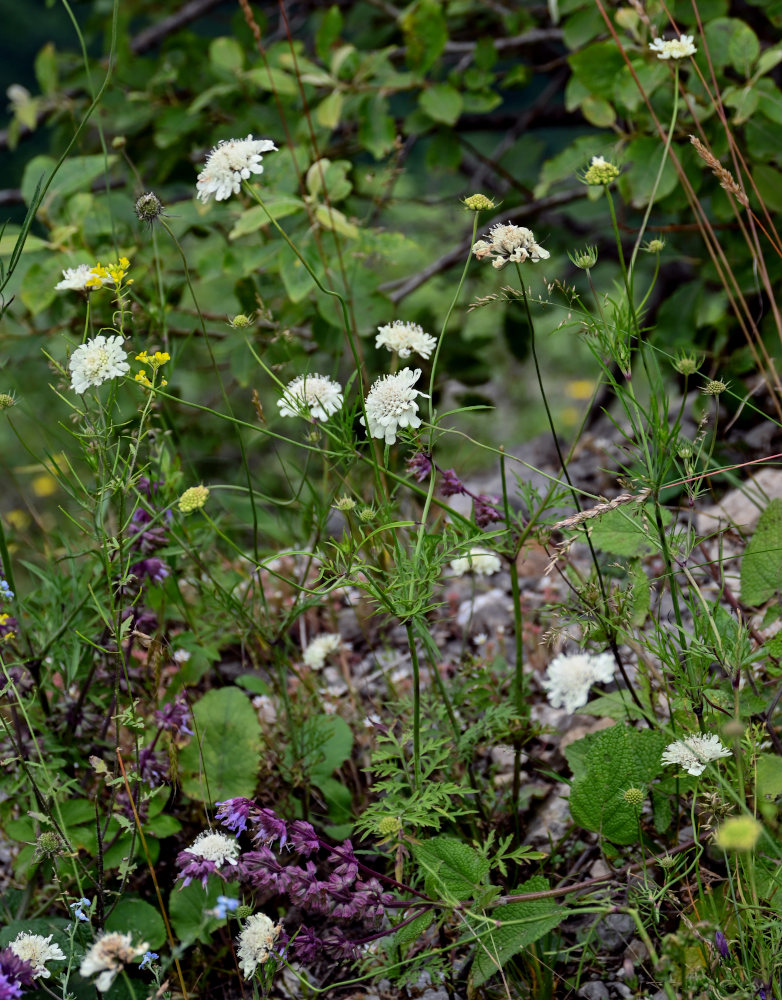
(225, 905)
(148, 959)
(78, 911)
(6, 594)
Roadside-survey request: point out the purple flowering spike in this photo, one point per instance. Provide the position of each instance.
(302, 838)
(420, 466)
(451, 484)
(262, 869)
(306, 946)
(305, 889)
(337, 944)
(9, 988)
(484, 511)
(269, 827)
(172, 718)
(152, 568)
(346, 869)
(721, 944)
(152, 766)
(234, 814)
(192, 867)
(15, 970)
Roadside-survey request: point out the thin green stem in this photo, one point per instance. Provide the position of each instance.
(416, 707)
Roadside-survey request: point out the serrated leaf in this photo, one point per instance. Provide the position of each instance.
(453, 866)
(521, 924)
(442, 102)
(761, 567)
(222, 761)
(412, 931)
(618, 759)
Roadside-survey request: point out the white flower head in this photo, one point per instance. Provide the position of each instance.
(509, 244)
(215, 847)
(74, 279)
(405, 339)
(37, 950)
(569, 678)
(674, 48)
(229, 163)
(97, 361)
(391, 404)
(694, 752)
(318, 651)
(255, 942)
(108, 956)
(479, 561)
(315, 396)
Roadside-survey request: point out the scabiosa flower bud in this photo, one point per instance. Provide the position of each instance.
(600, 172)
(584, 259)
(240, 322)
(654, 246)
(148, 208)
(666, 862)
(634, 796)
(193, 499)
(686, 364)
(478, 203)
(714, 388)
(6, 401)
(48, 845)
(367, 514)
(344, 504)
(243, 911)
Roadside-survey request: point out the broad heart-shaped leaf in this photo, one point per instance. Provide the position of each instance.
(761, 567)
(442, 102)
(138, 918)
(617, 759)
(520, 925)
(229, 737)
(453, 869)
(186, 910)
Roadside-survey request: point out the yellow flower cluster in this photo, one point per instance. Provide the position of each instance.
(111, 274)
(193, 499)
(154, 361)
(4, 618)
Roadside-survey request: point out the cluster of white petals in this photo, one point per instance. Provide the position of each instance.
(479, 561)
(229, 163)
(108, 956)
(569, 678)
(694, 752)
(674, 48)
(405, 339)
(97, 361)
(37, 950)
(318, 651)
(391, 404)
(508, 244)
(315, 396)
(255, 942)
(74, 279)
(215, 847)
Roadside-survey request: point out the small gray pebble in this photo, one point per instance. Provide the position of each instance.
(593, 991)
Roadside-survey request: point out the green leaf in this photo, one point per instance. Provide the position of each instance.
(626, 531)
(598, 111)
(619, 758)
(226, 55)
(254, 218)
(442, 102)
(644, 155)
(332, 218)
(140, 919)
(76, 174)
(520, 925)
(331, 175)
(617, 705)
(454, 868)
(323, 743)
(411, 932)
(761, 567)
(732, 42)
(187, 910)
(596, 67)
(46, 69)
(425, 32)
(328, 32)
(272, 79)
(376, 128)
(769, 775)
(329, 110)
(229, 735)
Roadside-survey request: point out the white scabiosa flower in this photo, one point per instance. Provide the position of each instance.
(97, 361)
(508, 244)
(479, 561)
(318, 651)
(694, 752)
(108, 956)
(674, 48)
(405, 339)
(74, 279)
(569, 678)
(255, 942)
(214, 847)
(315, 396)
(37, 950)
(229, 163)
(391, 404)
